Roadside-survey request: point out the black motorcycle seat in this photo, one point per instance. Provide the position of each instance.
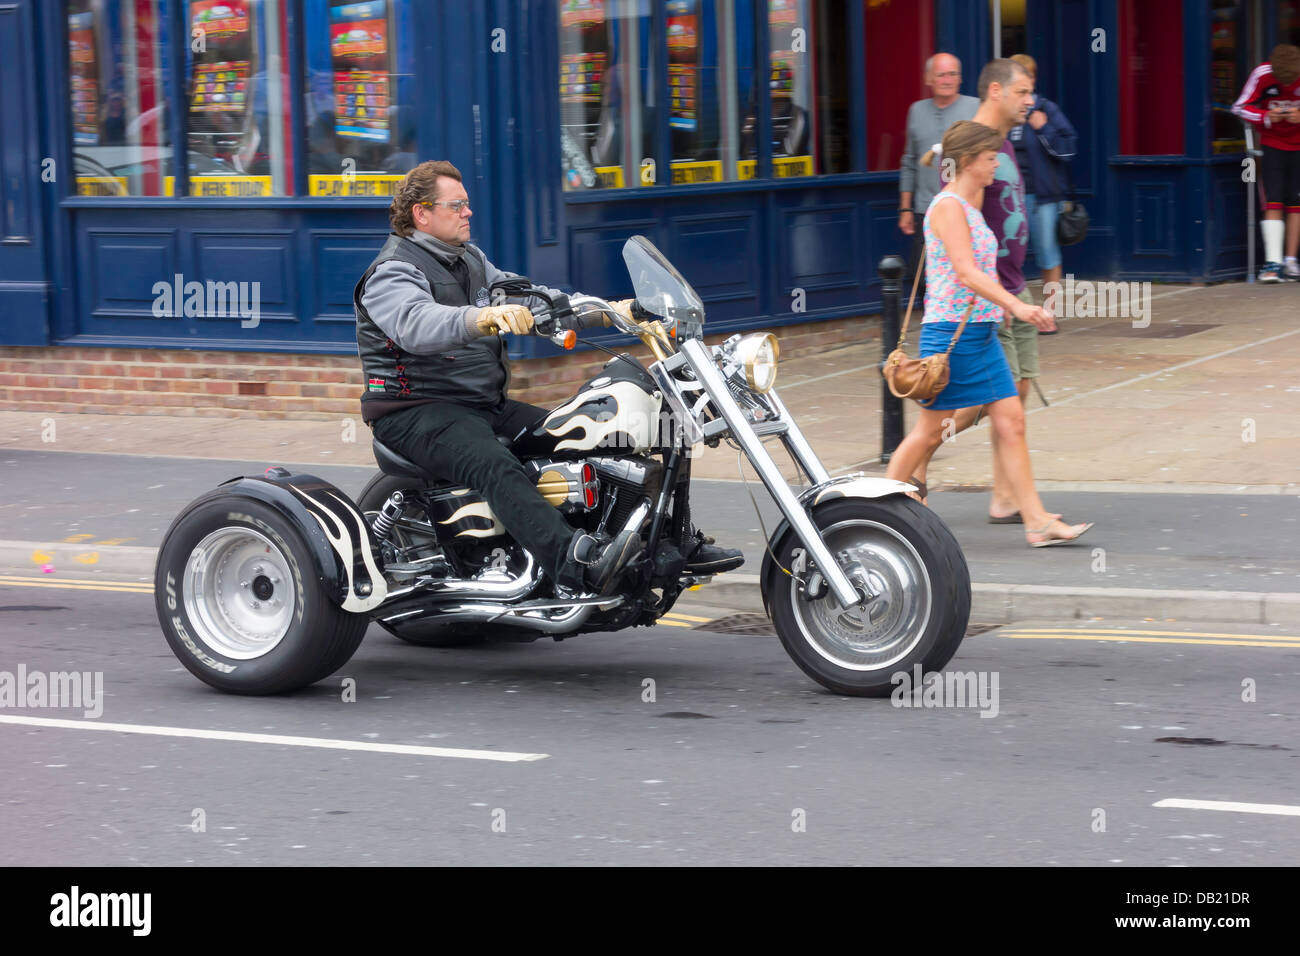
(391, 463)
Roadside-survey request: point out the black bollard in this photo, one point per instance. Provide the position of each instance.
(891, 422)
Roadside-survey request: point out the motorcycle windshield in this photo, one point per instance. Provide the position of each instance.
(660, 288)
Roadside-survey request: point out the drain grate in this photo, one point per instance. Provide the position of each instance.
(756, 625)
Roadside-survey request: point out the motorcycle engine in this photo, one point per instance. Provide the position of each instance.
(630, 480)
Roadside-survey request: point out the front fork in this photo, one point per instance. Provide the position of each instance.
(707, 372)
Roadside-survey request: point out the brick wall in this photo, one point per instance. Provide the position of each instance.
(181, 382)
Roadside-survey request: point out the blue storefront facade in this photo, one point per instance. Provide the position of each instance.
(149, 144)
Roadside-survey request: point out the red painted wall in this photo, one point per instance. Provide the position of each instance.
(899, 39)
(1151, 77)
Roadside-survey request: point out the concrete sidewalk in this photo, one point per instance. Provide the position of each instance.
(1201, 402)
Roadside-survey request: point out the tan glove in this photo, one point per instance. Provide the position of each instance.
(515, 319)
(624, 308)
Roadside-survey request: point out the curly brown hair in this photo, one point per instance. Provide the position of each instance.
(419, 185)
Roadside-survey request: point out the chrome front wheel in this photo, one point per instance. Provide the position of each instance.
(915, 595)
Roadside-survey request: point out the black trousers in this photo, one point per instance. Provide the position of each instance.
(458, 443)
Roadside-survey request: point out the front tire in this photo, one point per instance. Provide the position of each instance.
(899, 551)
(241, 604)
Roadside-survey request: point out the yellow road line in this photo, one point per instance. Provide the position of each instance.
(667, 623)
(1106, 630)
(123, 586)
(1146, 640)
(689, 617)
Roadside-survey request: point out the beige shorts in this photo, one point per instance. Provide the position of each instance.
(1020, 343)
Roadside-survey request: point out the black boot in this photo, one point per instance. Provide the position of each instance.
(707, 558)
(601, 561)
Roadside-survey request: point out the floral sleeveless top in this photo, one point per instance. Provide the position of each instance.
(946, 299)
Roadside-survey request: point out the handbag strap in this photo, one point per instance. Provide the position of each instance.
(916, 282)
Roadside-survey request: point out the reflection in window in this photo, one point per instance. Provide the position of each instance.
(118, 59)
(607, 95)
(808, 90)
(361, 127)
(237, 126)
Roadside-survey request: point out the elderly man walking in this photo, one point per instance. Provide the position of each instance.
(927, 121)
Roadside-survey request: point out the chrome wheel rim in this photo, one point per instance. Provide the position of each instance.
(238, 593)
(889, 573)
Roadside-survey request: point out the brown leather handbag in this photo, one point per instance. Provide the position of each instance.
(920, 379)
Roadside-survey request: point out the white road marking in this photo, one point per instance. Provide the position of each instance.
(275, 739)
(1280, 809)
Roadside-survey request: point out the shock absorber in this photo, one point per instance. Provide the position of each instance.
(388, 515)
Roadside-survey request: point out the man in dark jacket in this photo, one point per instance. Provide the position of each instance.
(437, 371)
(1045, 143)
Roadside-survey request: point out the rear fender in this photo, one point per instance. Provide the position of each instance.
(846, 486)
(342, 547)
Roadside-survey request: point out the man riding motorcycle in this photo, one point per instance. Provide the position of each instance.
(436, 375)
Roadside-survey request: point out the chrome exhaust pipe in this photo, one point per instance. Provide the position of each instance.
(534, 616)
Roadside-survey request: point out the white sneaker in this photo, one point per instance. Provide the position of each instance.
(1291, 269)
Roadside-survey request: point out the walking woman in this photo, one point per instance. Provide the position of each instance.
(961, 258)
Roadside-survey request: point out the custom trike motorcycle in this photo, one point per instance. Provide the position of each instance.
(267, 583)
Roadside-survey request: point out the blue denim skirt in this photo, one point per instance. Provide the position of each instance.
(977, 368)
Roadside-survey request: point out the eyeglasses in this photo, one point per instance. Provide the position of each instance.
(455, 205)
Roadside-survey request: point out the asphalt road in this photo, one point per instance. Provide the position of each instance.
(1214, 542)
(739, 759)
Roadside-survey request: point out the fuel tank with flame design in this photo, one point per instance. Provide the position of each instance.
(616, 412)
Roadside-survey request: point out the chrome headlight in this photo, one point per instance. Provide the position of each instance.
(757, 354)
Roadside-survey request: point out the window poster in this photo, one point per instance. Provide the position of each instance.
(782, 17)
(582, 14)
(683, 64)
(85, 78)
(359, 51)
(221, 65)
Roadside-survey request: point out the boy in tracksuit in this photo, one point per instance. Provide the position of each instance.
(1271, 102)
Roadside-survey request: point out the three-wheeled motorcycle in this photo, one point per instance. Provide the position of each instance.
(267, 583)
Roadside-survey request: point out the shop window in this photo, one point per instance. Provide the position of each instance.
(1151, 51)
(1229, 66)
(238, 136)
(118, 62)
(609, 84)
(361, 109)
(608, 94)
(807, 84)
(899, 39)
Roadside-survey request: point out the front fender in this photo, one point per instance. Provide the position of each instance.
(331, 523)
(846, 486)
